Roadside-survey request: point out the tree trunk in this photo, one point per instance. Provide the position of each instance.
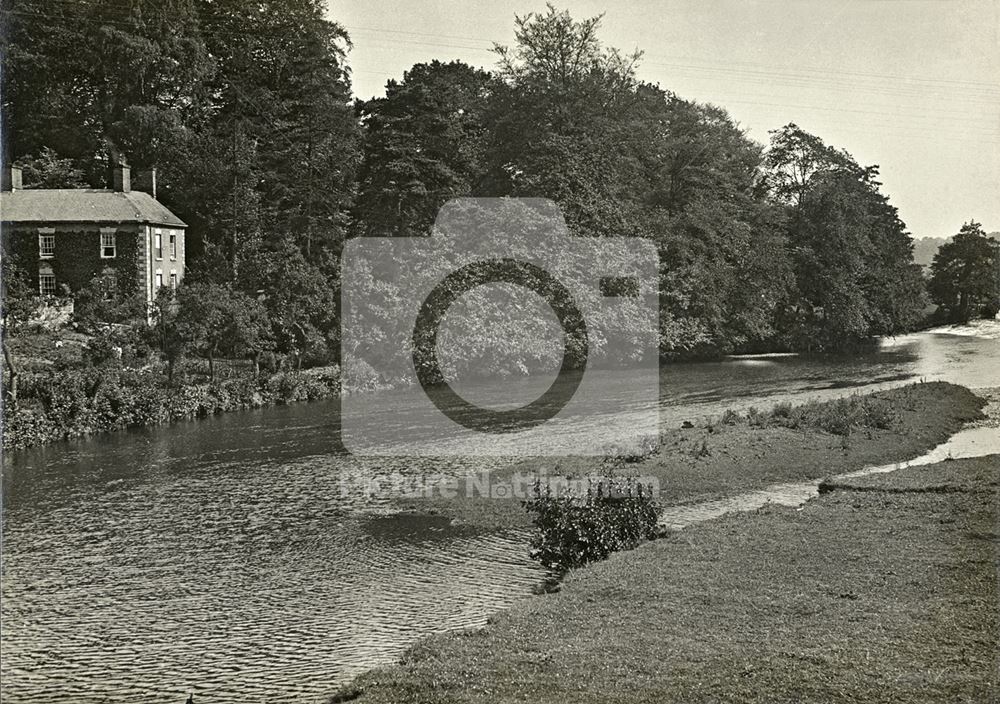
(211, 367)
(12, 371)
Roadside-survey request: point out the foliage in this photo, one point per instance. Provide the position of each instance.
(616, 513)
(49, 170)
(840, 416)
(215, 320)
(245, 109)
(103, 300)
(79, 401)
(852, 257)
(19, 300)
(423, 144)
(965, 275)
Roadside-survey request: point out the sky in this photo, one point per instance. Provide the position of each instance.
(910, 85)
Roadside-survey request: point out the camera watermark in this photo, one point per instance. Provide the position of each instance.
(509, 336)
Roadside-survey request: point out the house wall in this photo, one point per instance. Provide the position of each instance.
(162, 263)
(77, 257)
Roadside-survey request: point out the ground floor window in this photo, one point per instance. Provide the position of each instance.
(47, 284)
(159, 281)
(173, 280)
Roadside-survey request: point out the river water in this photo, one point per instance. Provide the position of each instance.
(225, 558)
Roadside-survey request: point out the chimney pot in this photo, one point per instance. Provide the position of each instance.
(122, 179)
(12, 178)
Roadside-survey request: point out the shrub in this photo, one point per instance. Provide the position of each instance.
(755, 417)
(731, 417)
(782, 410)
(841, 416)
(615, 514)
(287, 387)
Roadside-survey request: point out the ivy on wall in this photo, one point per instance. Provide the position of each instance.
(77, 257)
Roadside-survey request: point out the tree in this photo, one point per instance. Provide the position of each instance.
(853, 259)
(99, 82)
(49, 170)
(559, 121)
(725, 266)
(102, 300)
(965, 275)
(299, 298)
(282, 86)
(18, 301)
(215, 320)
(423, 144)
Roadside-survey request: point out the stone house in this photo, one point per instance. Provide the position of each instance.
(64, 237)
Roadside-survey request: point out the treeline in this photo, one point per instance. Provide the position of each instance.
(245, 108)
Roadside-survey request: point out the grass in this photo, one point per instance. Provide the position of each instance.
(727, 457)
(886, 595)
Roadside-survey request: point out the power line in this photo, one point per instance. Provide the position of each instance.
(747, 75)
(769, 70)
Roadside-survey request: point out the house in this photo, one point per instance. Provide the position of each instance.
(63, 237)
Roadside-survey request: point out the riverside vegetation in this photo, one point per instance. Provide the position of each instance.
(72, 385)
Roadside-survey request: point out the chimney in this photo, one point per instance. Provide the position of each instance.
(145, 181)
(12, 178)
(122, 179)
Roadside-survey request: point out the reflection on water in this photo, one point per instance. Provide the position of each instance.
(223, 557)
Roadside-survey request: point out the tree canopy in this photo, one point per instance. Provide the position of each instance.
(965, 274)
(245, 108)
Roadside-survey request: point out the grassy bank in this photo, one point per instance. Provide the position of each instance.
(744, 453)
(886, 594)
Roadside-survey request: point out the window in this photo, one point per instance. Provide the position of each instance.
(158, 244)
(46, 246)
(47, 284)
(173, 280)
(159, 281)
(173, 246)
(107, 245)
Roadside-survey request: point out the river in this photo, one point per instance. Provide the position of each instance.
(222, 557)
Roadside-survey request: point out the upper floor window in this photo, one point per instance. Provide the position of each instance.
(158, 244)
(107, 245)
(47, 284)
(173, 246)
(46, 246)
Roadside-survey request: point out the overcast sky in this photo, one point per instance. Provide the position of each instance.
(910, 85)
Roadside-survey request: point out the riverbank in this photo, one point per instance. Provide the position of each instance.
(63, 395)
(82, 403)
(737, 453)
(884, 589)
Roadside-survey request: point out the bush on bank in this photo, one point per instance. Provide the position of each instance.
(840, 416)
(616, 513)
(73, 403)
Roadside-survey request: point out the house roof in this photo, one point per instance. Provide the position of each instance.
(44, 205)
